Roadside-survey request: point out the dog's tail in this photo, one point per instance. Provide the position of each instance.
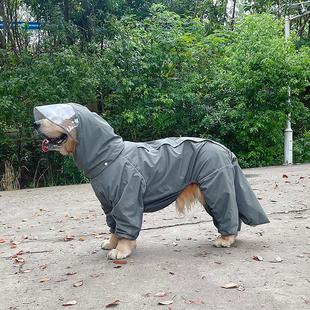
(189, 196)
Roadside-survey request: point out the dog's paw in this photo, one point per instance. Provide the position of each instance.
(225, 241)
(123, 249)
(107, 245)
(111, 243)
(116, 254)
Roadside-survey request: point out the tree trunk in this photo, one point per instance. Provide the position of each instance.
(7, 31)
(233, 13)
(67, 19)
(3, 32)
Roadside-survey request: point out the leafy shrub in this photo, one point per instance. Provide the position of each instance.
(158, 77)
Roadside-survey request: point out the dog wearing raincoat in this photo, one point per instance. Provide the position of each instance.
(132, 178)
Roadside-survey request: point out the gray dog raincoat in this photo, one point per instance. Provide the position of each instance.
(132, 178)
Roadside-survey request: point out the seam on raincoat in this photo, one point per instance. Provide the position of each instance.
(216, 171)
(167, 143)
(139, 173)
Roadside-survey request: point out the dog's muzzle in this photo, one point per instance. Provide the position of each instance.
(50, 143)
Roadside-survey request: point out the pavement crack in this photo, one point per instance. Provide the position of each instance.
(175, 225)
(290, 211)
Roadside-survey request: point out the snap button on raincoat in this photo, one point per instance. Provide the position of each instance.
(132, 178)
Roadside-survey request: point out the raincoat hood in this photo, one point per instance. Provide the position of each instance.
(98, 146)
(62, 115)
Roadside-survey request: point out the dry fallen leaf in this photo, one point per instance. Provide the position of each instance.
(42, 266)
(2, 240)
(71, 273)
(45, 280)
(201, 255)
(167, 302)
(278, 260)
(120, 262)
(240, 288)
(258, 258)
(80, 283)
(19, 260)
(284, 176)
(81, 239)
(62, 280)
(229, 285)
(114, 303)
(69, 303)
(161, 294)
(198, 302)
(146, 295)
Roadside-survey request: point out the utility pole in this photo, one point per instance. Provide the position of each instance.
(288, 132)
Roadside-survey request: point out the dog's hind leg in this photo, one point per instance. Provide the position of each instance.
(110, 244)
(225, 241)
(123, 249)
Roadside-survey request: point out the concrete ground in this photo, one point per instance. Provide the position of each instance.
(50, 253)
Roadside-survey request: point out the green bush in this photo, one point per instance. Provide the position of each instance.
(158, 77)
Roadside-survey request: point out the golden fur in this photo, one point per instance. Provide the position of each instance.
(121, 248)
(50, 130)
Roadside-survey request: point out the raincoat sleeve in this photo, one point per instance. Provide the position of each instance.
(122, 198)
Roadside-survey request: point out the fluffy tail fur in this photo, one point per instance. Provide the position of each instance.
(190, 195)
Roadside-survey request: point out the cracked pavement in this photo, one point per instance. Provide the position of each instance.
(50, 252)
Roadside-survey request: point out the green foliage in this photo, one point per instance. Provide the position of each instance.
(250, 93)
(302, 147)
(158, 76)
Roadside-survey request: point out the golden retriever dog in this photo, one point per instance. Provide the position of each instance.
(121, 243)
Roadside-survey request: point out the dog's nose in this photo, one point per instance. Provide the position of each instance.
(36, 125)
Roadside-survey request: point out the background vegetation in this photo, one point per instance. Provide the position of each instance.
(214, 69)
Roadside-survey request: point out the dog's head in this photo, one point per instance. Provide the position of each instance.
(58, 126)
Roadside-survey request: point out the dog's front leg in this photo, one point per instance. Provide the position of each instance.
(110, 244)
(123, 249)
